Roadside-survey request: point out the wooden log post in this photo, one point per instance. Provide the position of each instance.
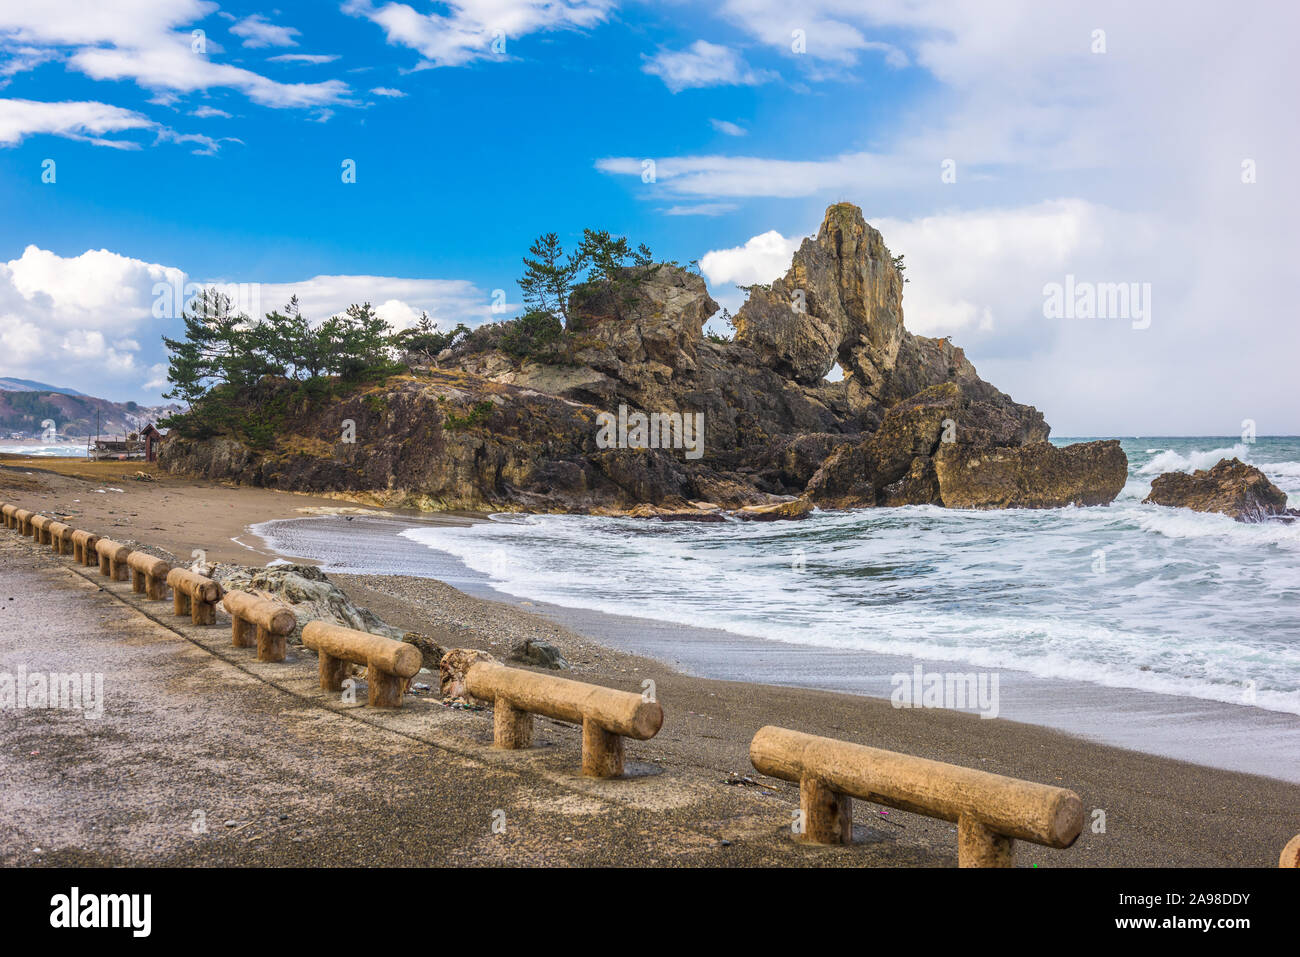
(112, 559)
(606, 715)
(7, 512)
(253, 619)
(148, 575)
(991, 811)
(84, 547)
(1291, 853)
(40, 529)
(61, 538)
(23, 521)
(389, 664)
(194, 595)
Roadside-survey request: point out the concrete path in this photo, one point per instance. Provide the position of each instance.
(205, 756)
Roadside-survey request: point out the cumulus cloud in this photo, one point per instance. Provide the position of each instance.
(760, 260)
(99, 317)
(703, 64)
(77, 319)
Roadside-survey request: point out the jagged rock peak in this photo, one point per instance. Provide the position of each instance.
(841, 300)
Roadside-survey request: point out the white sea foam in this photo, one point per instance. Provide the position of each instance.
(1129, 596)
(1172, 461)
(928, 583)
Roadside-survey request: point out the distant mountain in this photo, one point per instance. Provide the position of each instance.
(25, 411)
(27, 385)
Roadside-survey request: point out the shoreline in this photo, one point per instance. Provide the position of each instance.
(1196, 730)
(1161, 811)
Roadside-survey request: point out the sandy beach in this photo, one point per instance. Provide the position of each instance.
(1158, 811)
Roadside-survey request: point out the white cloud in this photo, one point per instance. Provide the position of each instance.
(203, 145)
(716, 175)
(98, 317)
(23, 59)
(157, 381)
(760, 260)
(703, 64)
(149, 42)
(700, 209)
(387, 91)
(465, 33)
(398, 301)
(836, 31)
(172, 65)
(85, 120)
(257, 31)
(312, 58)
(77, 319)
(205, 112)
(731, 129)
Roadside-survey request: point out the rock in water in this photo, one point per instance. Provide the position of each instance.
(534, 651)
(1230, 488)
(899, 463)
(1039, 475)
(795, 508)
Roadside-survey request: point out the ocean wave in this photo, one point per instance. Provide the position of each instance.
(937, 586)
(1173, 461)
(1183, 523)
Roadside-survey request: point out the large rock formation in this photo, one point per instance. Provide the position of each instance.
(489, 429)
(1231, 488)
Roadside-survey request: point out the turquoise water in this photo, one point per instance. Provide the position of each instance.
(1127, 596)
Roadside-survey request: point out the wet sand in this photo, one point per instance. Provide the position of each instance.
(1157, 811)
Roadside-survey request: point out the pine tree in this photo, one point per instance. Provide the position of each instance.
(548, 276)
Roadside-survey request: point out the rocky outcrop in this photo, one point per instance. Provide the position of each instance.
(841, 301)
(1039, 475)
(1230, 488)
(305, 589)
(488, 429)
(896, 465)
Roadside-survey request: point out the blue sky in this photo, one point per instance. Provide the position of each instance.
(1116, 165)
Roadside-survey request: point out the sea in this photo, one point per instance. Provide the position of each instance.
(1167, 605)
(57, 450)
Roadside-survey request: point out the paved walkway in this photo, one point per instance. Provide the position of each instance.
(205, 756)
